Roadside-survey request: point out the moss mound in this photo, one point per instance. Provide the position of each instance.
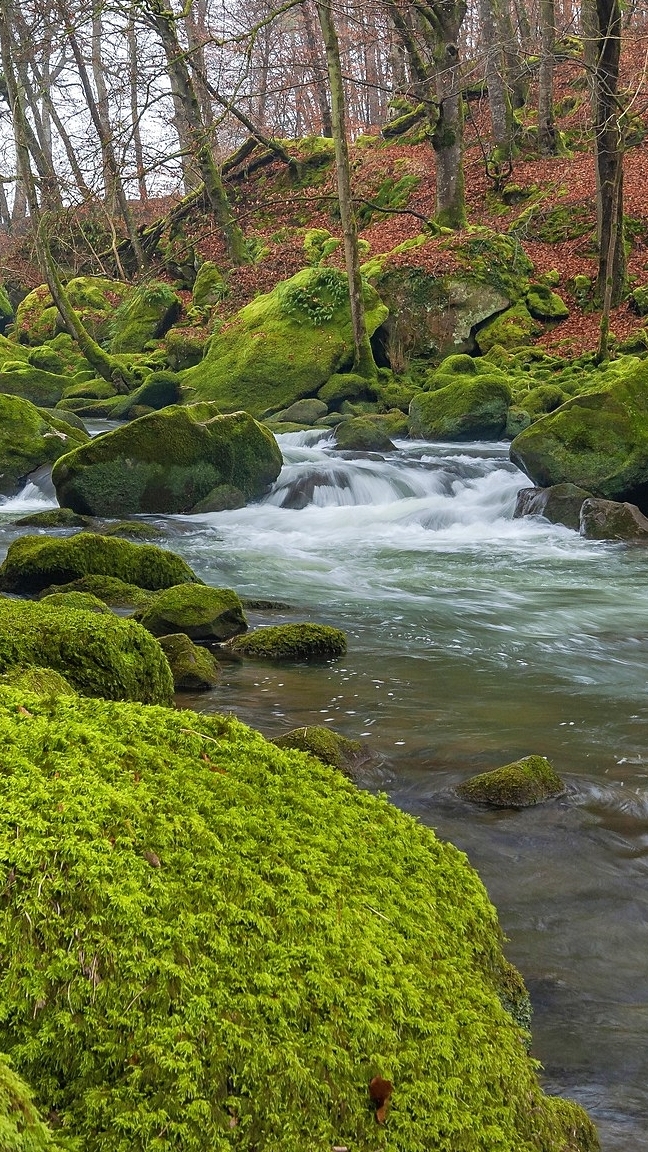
(21, 1128)
(54, 518)
(99, 655)
(328, 746)
(168, 462)
(284, 345)
(203, 614)
(513, 329)
(29, 439)
(301, 642)
(470, 408)
(362, 435)
(92, 297)
(81, 601)
(518, 785)
(144, 315)
(193, 668)
(543, 304)
(109, 589)
(42, 681)
(34, 562)
(44, 389)
(230, 984)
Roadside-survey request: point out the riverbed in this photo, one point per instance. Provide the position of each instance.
(474, 639)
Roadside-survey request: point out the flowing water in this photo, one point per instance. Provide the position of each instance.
(473, 639)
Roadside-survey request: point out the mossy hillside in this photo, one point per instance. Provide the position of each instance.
(29, 439)
(204, 614)
(471, 408)
(168, 461)
(521, 784)
(94, 298)
(284, 345)
(33, 563)
(297, 642)
(598, 441)
(238, 974)
(99, 655)
(21, 1128)
(145, 314)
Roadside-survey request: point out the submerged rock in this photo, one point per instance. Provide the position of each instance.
(611, 520)
(194, 669)
(560, 504)
(297, 642)
(328, 746)
(168, 462)
(204, 614)
(518, 785)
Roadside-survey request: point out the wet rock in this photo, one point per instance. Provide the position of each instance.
(612, 520)
(295, 642)
(518, 785)
(362, 435)
(194, 669)
(203, 614)
(560, 504)
(302, 412)
(223, 498)
(54, 518)
(328, 746)
(470, 408)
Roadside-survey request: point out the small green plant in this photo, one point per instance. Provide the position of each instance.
(327, 292)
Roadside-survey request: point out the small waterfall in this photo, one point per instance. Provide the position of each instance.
(37, 495)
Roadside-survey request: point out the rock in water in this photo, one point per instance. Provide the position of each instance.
(203, 614)
(518, 785)
(29, 439)
(560, 504)
(610, 520)
(470, 408)
(328, 746)
(194, 669)
(298, 642)
(168, 462)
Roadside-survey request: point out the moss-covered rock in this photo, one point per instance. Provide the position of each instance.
(517, 419)
(6, 309)
(89, 390)
(160, 390)
(109, 589)
(328, 746)
(193, 669)
(168, 461)
(222, 498)
(302, 412)
(598, 441)
(611, 520)
(42, 681)
(184, 346)
(34, 562)
(61, 418)
(224, 893)
(54, 518)
(209, 286)
(512, 329)
(299, 642)
(94, 298)
(346, 386)
(21, 1128)
(560, 504)
(518, 785)
(468, 409)
(44, 389)
(362, 435)
(78, 601)
(202, 613)
(133, 530)
(100, 655)
(146, 314)
(543, 304)
(545, 398)
(28, 440)
(284, 345)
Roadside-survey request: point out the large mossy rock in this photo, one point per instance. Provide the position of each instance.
(193, 669)
(94, 298)
(598, 441)
(35, 562)
(168, 462)
(515, 328)
(21, 1128)
(98, 655)
(284, 345)
(434, 314)
(44, 389)
(470, 408)
(254, 941)
(203, 614)
(109, 589)
(294, 642)
(521, 784)
(29, 439)
(362, 435)
(146, 314)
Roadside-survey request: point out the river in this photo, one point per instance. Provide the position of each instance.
(474, 639)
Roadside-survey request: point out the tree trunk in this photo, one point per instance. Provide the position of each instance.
(131, 37)
(363, 361)
(315, 60)
(608, 144)
(498, 97)
(546, 127)
(447, 139)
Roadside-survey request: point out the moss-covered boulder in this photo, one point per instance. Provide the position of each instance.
(94, 298)
(204, 614)
(328, 746)
(169, 461)
(598, 441)
(514, 328)
(544, 398)
(518, 785)
(21, 1128)
(468, 409)
(78, 601)
(109, 589)
(222, 498)
(146, 314)
(99, 655)
(34, 562)
(543, 304)
(346, 386)
(54, 518)
(209, 286)
(302, 412)
(222, 897)
(44, 389)
(362, 435)
(42, 681)
(283, 346)
(28, 439)
(612, 520)
(560, 504)
(6, 309)
(135, 530)
(193, 669)
(298, 642)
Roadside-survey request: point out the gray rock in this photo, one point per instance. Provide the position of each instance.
(612, 520)
(560, 504)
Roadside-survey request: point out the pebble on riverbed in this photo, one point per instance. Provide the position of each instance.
(518, 785)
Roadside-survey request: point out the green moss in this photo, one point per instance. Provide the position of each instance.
(299, 642)
(343, 386)
(54, 518)
(555, 225)
(362, 435)
(34, 562)
(75, 601)
(519, 785)
(167, 462)
(513, 329)
(28, 439)
(99, 655)
(544, 398)
(638, 300)
(21, 1128)
(411, 116)
(318, 245)
(160, 390)
(328, 746)
(193, 669)
(41, 681)
(471, 408)
(89, 390)
(92, 297)
(543, 304)
(253, 941)
(185, 347)
(109, 589)
(134, 530)
(210, 286)
(203, 614)
(283, 346)
(41, 388)
(49, 360)
(393, 193)
(146, 314)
